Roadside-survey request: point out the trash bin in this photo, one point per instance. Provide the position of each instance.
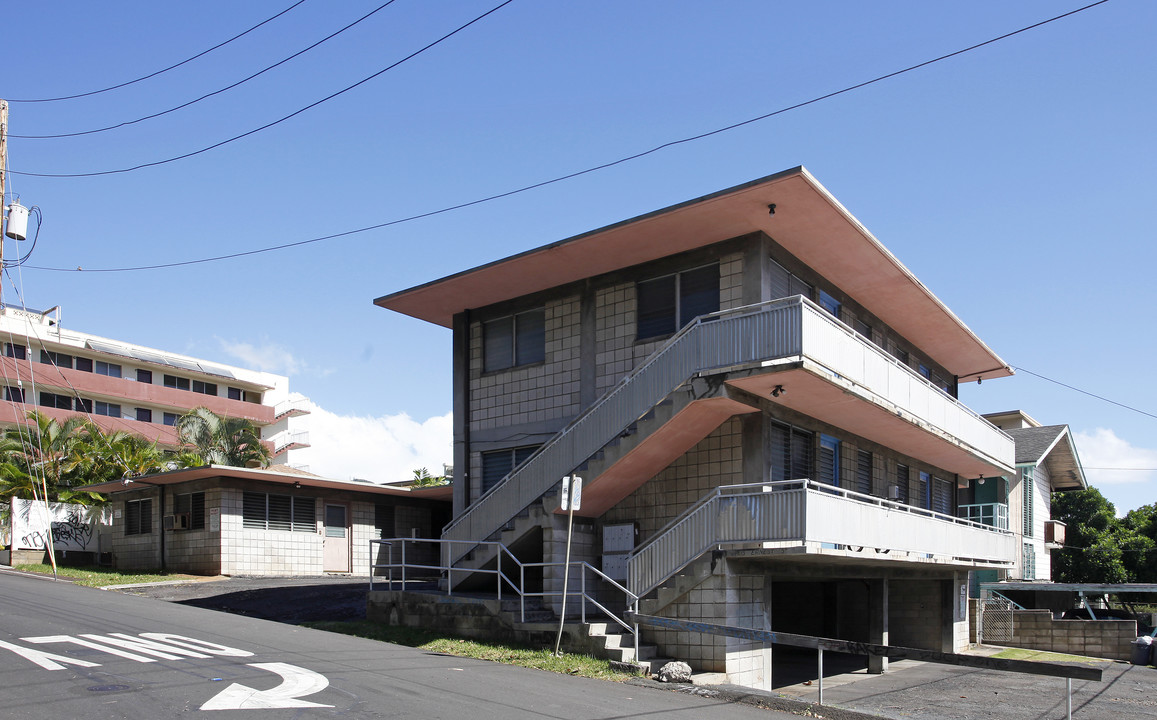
(1141, 650)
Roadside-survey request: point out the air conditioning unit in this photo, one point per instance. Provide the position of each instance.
(893, 492)
(176, 522)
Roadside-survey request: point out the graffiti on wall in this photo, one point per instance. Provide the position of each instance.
(72, 527)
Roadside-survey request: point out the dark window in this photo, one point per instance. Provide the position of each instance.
(829, 460)
(262, 511)
(1026, 484)
(179, 383)
(234, 393)
(665, 304)
(139, 517)
(19, 352)
(144, 415)
(83, 405)
(109, 369)
(924, 491)
(60, 360)
(193, 505)
(515, 340)
(52, 400)
(204, 388)
(924, 371)
(498, 464)
(169, 418)
(942, 496)
(901, 355)
(784, 284)
(829, 303)
(862, 328)
(108, 409)
(145, 376)
(864, 472)
(84, 364)
(791, 453)
(12, 394)
(902, 484)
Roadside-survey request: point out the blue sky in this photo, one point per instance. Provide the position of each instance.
(1015, 180)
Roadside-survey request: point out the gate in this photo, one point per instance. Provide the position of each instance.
(995, 624)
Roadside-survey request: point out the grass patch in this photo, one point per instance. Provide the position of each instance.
(433, 641)
(93, 576)
(1043, 656)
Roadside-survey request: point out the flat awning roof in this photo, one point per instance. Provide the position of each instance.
(288, 477)
(808, 222)
(1098, 588)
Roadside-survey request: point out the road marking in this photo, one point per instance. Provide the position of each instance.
(166, 646)
(296, 682)
(48, 661)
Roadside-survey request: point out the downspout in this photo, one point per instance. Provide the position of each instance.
(161, 488)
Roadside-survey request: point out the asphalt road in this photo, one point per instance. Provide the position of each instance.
(70, 652)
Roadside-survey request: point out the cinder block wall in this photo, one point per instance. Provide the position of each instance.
(914, 614)
(1037, 630)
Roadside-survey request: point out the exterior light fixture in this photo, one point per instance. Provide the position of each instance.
(777, 391)
(297, 485)
(771, 209)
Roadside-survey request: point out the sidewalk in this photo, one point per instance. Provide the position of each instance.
(929, 691)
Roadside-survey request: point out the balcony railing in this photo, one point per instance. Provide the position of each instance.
(287, 441)
(799, 512)
(992, 514)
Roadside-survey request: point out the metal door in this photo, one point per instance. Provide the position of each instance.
(336, 543)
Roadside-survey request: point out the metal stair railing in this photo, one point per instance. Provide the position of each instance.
(748, 334)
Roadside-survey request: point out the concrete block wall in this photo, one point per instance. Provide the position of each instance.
(914, 614)
(196, 551)
(266, 552)
(716, 460)
(1037, 630)
(136, 552)
(530, 393)
(748, 663)
(708, 603)
(584, 547)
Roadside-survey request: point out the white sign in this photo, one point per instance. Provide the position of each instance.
(572, 487)
(214, 519)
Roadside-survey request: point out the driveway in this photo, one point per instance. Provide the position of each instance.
(288, 600)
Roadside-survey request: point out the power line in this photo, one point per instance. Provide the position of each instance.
(165, 70)
(558, 179)
(209, 95)
(277, 122)
(1086, 392)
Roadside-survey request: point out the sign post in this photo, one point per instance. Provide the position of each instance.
(572, 495)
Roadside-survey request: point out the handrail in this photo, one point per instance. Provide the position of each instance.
(693, 532)
(502, 578)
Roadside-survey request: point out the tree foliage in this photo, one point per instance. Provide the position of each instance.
(1099, 546)
(220, 440)
(422, 478)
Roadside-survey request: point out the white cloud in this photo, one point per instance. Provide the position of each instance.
(1101, 449)
(386, 448)
(268, 357)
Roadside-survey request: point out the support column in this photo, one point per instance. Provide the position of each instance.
(877, 622)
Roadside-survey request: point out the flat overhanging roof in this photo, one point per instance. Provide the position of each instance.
(303, 480)
(808, 222)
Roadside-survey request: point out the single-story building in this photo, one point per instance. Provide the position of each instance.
(218, 520)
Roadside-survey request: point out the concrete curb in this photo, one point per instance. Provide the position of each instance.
(755, 698)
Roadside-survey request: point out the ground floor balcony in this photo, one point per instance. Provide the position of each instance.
(802, 517)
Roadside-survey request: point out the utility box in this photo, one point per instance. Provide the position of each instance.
(618, 544)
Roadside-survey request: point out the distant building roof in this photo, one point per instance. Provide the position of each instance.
(1051, 446)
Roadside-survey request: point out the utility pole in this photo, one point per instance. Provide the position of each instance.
(3, 175)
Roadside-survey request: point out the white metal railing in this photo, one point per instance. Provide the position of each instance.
(789, 327)
(803, 511)
(283, 440)
(513, 577)
(993, 514)
(299, 406)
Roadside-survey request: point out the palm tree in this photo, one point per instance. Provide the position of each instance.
(223, 440)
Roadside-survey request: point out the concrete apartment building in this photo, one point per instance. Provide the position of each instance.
(122, 386)
(762, 401)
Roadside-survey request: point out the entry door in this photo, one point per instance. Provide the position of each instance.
(336, 544)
